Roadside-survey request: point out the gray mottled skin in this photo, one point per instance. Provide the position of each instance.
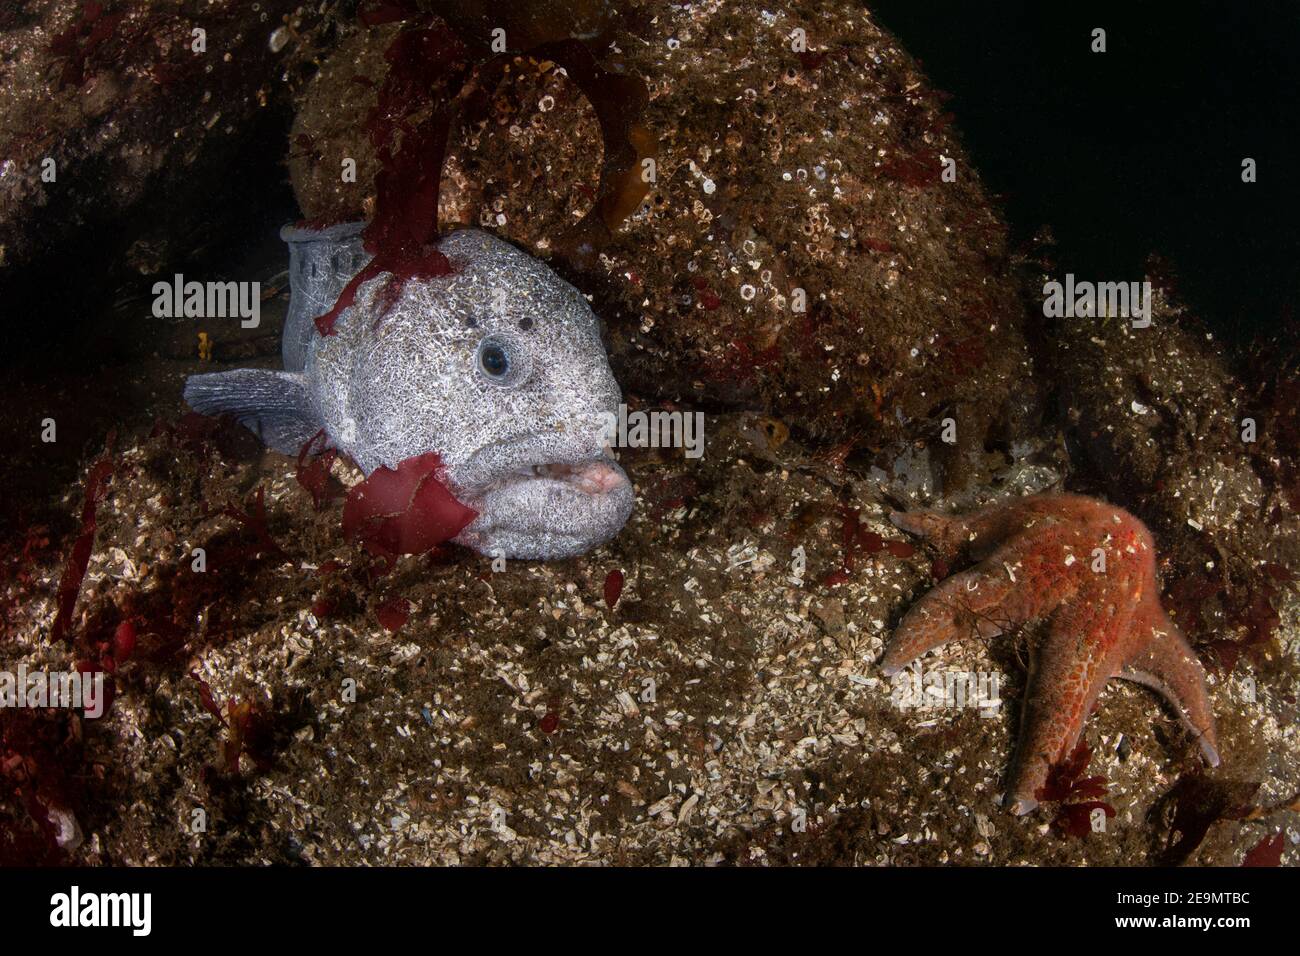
(525, 448)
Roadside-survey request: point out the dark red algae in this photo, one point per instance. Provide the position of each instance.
(405, 511)
(255, 520)
(74, 572)
(79, 43)
(613, 587)
(1268, 852)
(856, 538)
(249, 731)
(313, 470)
(428, 69)
(403, 235)
(393, 614)
(1076, 793)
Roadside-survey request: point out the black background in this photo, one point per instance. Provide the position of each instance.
(330, 911)
(1136, 150)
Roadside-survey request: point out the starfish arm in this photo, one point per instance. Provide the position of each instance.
(1005, 590)
(1166, 663)
(946, 533)
(1066, 677)
(979, 532)
(956, 608)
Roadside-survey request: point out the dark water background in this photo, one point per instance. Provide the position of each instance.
(1137, 150)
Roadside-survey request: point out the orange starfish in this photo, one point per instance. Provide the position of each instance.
(1091, 568)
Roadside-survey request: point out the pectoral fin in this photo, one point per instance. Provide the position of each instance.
(275, 406)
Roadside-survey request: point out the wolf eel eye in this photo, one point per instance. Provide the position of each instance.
(493, 359)
(503, 359)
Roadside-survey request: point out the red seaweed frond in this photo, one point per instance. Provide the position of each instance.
(249, 731)
(314, 463)
(404, 511)
(917, 172)
(1267, 852)
(613, 587)
(1076, 793)
(856, 538)
(254, 519)
(393, 613)
(74, 572)
(39, 750)
(1198, 802)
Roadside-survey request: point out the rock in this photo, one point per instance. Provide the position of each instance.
(1158, 419)
(147, 138)
(830, 612)
(725, 684)
(797, 249)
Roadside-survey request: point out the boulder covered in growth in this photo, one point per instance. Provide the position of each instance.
(133, 133)
(770, 209)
